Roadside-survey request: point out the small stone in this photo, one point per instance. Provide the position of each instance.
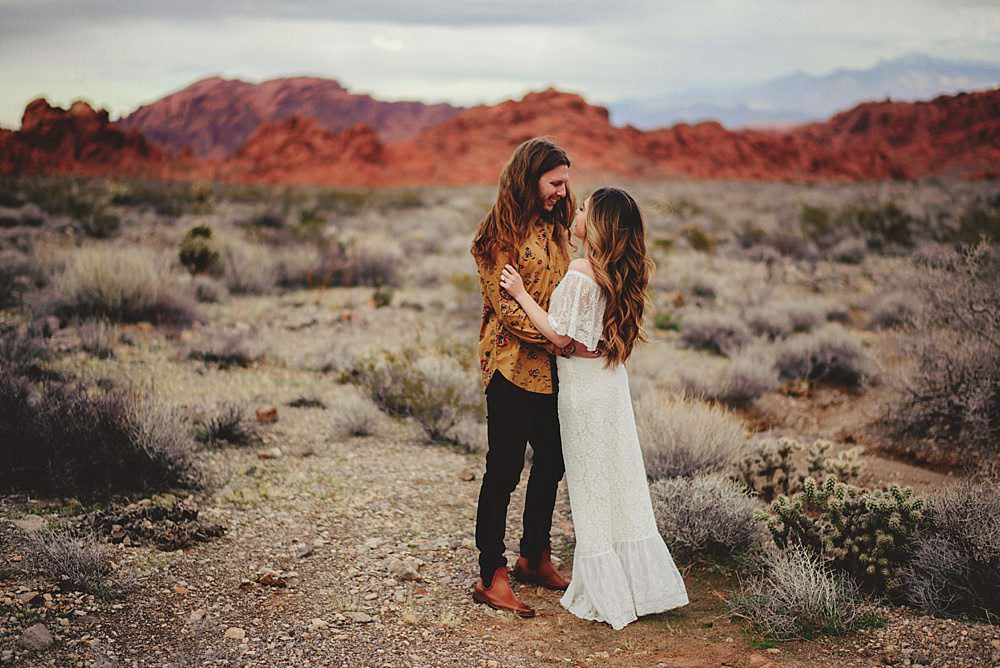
(267, 414)
(492, 663)
(371, 597)
(31, 598)
(270, 453)
(30, 524)
(236, 633)
(404, 569)
(196, 615)
(467, 474)
(37, 637)
(773, 650)
(317, 623)
(358, 617)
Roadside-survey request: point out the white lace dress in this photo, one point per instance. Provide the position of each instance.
(621, 567)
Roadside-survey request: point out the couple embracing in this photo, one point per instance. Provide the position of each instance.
(554, 339)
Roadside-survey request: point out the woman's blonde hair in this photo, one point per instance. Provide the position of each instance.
(616, 249)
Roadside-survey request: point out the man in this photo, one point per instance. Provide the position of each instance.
(527, 228)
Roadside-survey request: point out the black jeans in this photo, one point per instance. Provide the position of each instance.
(514, 417)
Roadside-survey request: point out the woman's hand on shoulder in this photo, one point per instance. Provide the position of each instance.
(511, 281)
(582, 264)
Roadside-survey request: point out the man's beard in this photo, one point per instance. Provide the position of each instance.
(550, 215)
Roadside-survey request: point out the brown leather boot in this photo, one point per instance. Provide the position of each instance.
(499, 595)
(545, 575)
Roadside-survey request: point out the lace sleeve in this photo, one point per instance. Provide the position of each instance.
(576, 309)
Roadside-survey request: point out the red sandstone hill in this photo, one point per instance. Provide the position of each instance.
(214, 117)
(950, 135)
(79, 140)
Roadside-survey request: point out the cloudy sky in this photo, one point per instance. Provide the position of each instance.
(119, 54)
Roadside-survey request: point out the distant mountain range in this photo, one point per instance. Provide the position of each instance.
(801, 97)
(214, 117)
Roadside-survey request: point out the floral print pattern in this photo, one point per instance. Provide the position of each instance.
(508, 341)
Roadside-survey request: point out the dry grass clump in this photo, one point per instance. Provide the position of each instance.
(747, 377)
(707, 518)
(98, 337)
(355, 416)
(799, 597)
(683, 437)
(15, 271)
(431, 388)
(247, 268)
(829, 354)
(77, 560)
(22, 348)
(230, 424)
(122, 284)
(713, 331)
(955, 568)
(897, 309)
(75, 439)
(226, 350)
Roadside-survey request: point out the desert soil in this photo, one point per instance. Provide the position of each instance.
(330, 515)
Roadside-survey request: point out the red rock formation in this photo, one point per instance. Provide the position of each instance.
(950, 135)
(214, 117)
(300, 150)
(80, 140)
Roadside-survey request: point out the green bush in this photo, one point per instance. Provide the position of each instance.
(778, 467)
(868, 534)
(197, 252)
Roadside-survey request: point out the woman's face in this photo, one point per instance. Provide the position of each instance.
(580, 221)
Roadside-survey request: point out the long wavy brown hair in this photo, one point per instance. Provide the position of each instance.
(505, 228)
(616, 249)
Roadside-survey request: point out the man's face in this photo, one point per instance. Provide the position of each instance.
(552, 186)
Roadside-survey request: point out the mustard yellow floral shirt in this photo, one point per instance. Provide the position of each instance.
(508, 341)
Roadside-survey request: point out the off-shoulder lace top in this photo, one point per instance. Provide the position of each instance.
(576, 308)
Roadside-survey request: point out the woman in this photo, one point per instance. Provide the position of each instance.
(621, 567)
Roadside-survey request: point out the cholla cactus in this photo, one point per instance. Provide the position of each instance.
(771, 468)
(867, 533)
(768, 468)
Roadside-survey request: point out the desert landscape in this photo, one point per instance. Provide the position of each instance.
(242, 420)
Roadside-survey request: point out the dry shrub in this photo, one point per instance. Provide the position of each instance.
(77, 560)
(431, 388)
(375, 261)
(355, 416)
(829, 354)
(226, 350)
(122, 284)
(952, 397)
(15, 279)
(894, 310)
(247, 268)
(230, 423)
(955, 567)
(747, 377)
(74, 439)
(716, 332)
(682, 437)
(707, 518)
(22, 347)
(98, 337)
(799, 597)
